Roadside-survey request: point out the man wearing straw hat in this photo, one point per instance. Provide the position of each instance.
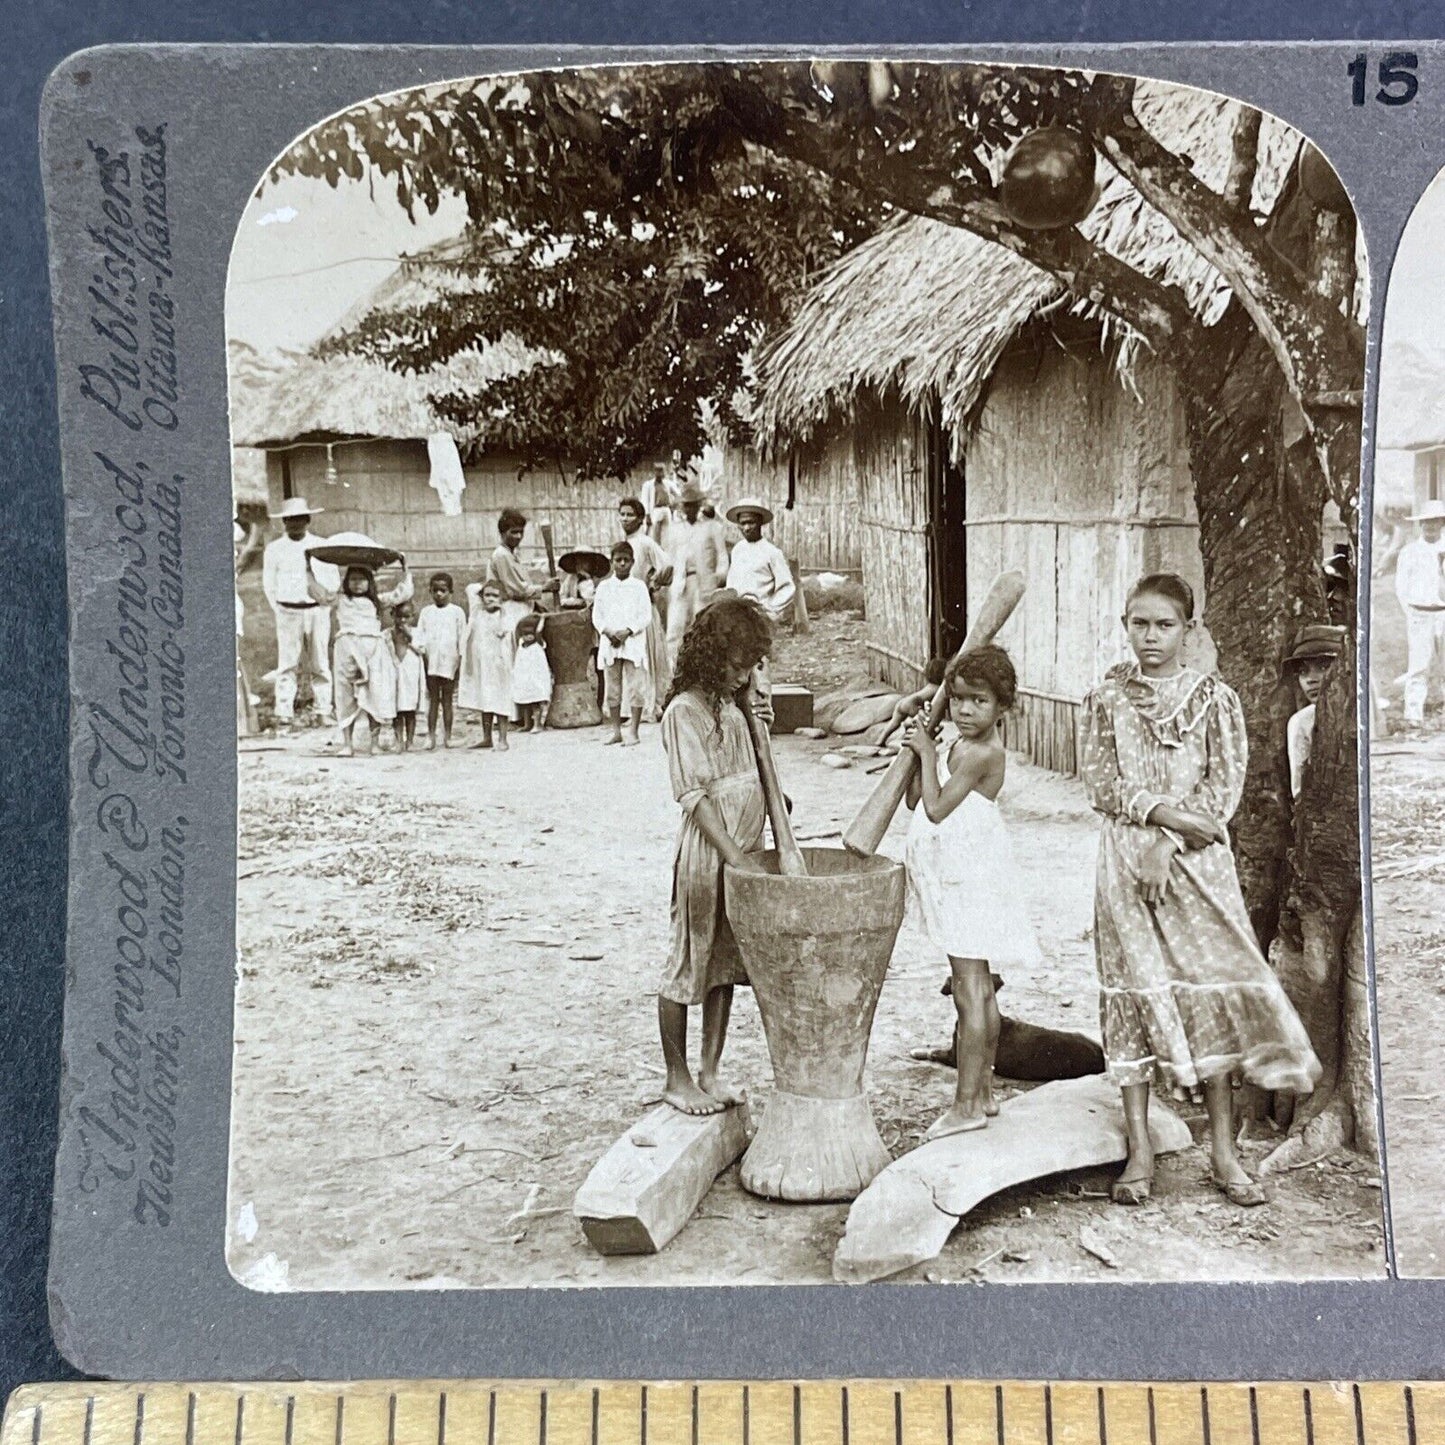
(303, 626)
(758, 568)
(1417, 586)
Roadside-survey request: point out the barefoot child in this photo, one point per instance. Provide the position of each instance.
(486, 685)
(1187, 1000)
(1315, 649)
(531, 676)
(410, 675)
(441, 632)
(365, 676)
(715, 781)
(961, 870)
(621, 615)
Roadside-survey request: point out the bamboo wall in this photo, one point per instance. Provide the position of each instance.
(821, 529)
(893, 534)
(1085, 487)
(382, 490)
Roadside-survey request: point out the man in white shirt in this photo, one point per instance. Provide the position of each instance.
(1417, 586)
(303, 625)
(699, 563)
(758, 568)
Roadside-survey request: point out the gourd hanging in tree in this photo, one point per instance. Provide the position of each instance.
(1049, 179)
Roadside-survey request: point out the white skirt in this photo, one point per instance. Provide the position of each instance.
(968, 888)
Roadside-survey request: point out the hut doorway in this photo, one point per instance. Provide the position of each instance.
(948, 538)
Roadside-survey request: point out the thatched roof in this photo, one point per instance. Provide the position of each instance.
(924, 309)
(281, 397)
(1412, 398)
(248, 477)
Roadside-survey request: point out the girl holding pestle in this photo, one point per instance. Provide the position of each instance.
(1187, 1000)
(961, 869)
(715, 782)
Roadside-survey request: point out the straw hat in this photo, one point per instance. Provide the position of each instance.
(300, 507)
(691, 491)
(1317, 641)
(584, 559)
(749, 504)
(1432, 511)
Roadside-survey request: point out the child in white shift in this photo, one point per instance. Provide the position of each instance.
(621, 615)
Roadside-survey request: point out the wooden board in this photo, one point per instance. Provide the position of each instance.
(648, 1184)
(906, 1214)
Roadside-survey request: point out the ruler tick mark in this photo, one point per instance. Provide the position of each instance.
(542, 1421)
(1204, 1413)
(596, 1410)
(140, 1417)
(391, 1421)
(340, 1417)
(442, 1418)
(290, 1417)
(1309, 1418)
(998, 1412)
(1153, 1423)
(35, 1427)
(845, 1416)
(694, 1415)
(191, 1418)
(898, 1417)
(797, 1415)
(948, 1413)
(1103, 1417)
(491, 1417)
(1410, 1435)
(240, 1416)
(644, 1415)
(89, 1419)
(747, 1417)
(1359, 1417)
(1254, 1415)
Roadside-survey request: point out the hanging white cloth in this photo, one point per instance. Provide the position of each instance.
(447, 479)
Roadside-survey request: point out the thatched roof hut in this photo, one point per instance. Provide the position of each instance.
(924, 310)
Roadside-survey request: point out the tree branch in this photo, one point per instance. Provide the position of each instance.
(1244, 163)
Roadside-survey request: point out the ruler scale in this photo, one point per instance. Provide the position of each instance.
(855, 1412)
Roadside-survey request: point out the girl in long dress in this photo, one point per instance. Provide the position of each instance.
(363, 665)
(486, 681)
(962, 873)
(715, 781)
(1187, 1000)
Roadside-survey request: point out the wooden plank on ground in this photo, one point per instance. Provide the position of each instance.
(904, 1217)
(649, 1183)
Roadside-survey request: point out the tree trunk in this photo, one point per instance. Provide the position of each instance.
(1260, 493)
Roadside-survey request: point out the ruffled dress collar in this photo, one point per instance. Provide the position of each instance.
(1171, 707)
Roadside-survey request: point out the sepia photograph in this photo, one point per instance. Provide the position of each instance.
(1407, 753)
(796, 687)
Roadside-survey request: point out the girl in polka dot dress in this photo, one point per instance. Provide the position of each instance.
(1187, 1000)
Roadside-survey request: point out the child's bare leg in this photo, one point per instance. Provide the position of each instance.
(614, 718)
(501, 732)
(717, 1008)
(1134, 1184)
(447, 715)
(972, 998)
(410, 737)
(398, 731)
(1228, 1172)
(433, 706)
(486, 738)
(542, 716)
(634, 723)
(680, 1091)
(347, 750)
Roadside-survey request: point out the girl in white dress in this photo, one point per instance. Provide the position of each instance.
(961, 869)
(531, 676)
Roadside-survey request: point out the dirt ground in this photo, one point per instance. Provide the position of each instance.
(445, 1016)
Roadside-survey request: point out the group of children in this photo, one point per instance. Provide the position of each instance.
(390, 662)
(1187, 1001)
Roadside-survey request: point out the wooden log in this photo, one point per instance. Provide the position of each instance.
(904, 1217)
(650, 1182)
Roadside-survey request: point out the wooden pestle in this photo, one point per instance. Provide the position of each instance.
(790, 857)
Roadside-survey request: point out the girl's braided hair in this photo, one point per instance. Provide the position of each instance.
(730, 626)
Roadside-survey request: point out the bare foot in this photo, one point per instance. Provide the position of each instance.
(347, 751)
(630, 742)
(431, 743)
(482, 743)
(502, 746)
(991, 1108)
(725, 1094)
(608, 742)
(1136, 1183)
(687, 1098)
(955, 1121)
(943, 1054)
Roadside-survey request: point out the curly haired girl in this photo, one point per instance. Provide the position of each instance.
(715, 781)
